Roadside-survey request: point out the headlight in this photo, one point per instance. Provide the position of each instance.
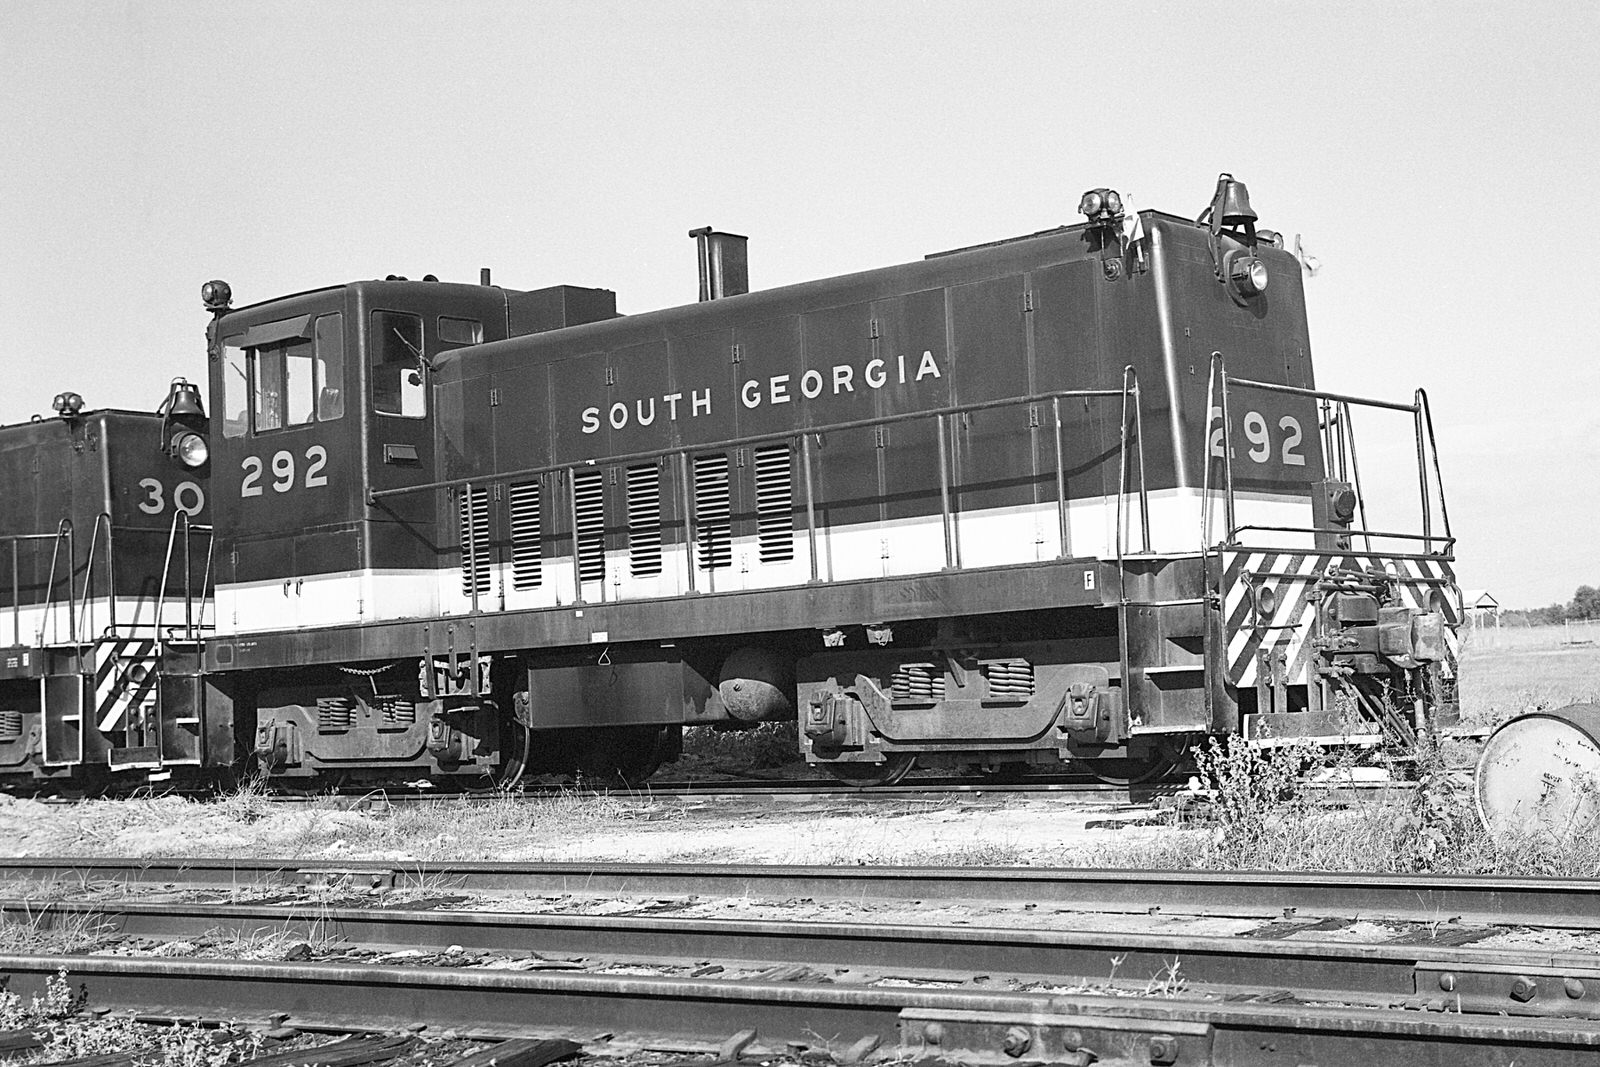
(191, 449)
(1091, 203)
(1249, 276)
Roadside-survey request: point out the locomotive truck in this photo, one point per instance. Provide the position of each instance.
(1068, 498)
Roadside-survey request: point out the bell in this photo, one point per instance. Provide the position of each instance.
(183, 401)
(1231, 204)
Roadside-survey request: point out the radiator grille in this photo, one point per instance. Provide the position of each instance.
(474, 517)
(527, 549)
(588, 503)
(713, 511)
(644, 520)
(775, 504)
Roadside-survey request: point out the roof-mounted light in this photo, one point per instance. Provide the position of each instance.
(216, 295)
(67, 405)
(1100, 205)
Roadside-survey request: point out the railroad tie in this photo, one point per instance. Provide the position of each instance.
(521, 1052)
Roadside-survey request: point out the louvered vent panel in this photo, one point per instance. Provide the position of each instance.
(474, 519)
(775, 504)
(588, 501)
(644, 520)
(527, 549)
(713, 511)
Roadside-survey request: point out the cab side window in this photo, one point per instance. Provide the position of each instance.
(329, 341)
(399, 368)
(277, 384)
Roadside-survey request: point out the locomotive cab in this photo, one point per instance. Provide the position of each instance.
(327, 401)
(104, 548)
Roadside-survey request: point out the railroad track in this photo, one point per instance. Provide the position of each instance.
(1551, 902)
(1414, 973)
(969, 994)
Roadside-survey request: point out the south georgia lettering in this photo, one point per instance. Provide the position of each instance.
(778, 389)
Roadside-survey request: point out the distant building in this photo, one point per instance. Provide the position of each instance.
(1481, 608)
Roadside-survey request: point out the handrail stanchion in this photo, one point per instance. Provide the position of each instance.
(1433, 447)
(16, 593)
(178, 518)
(1422, 474)
(63, 529)
(688, 515)
(945, 512)
(1348, 441)
(811, 503)
(83, 603)
(1227, 458)
(1138, 433)
(572, 519)
(1063, 525)
(1205, 474)
(206, 586)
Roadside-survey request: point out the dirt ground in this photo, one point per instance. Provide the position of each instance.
(995, 829)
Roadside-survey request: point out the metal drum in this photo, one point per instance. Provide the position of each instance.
(1540, 773)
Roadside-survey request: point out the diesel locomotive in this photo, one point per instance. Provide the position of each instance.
(1068, 498)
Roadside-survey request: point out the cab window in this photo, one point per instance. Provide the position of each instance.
(285, 383)
(399, 368)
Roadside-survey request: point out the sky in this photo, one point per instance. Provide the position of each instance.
(1440, 161)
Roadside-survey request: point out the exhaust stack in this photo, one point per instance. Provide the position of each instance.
(724, 263)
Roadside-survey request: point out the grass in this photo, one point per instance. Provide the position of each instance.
(57, 1018)
(1262, 820)
(1525, 669)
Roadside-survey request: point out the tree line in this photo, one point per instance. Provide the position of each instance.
(1585, 604)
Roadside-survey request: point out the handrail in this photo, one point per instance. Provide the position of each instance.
(680, 470)
(1217, 387)
(739, 442)
(1433, 447)
(190, 627)
(81, 605)
(63, 528)
(14, 540)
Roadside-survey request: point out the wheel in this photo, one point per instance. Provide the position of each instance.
(629, 753)
(515, 740)
(1004, 773)
(1162, 760)
(895, 767)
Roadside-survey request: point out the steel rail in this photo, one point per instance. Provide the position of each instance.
(925, 1022)
(1553, 902)
(1482, 980)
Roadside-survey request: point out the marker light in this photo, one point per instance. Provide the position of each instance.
(1343, 504)
(1248, 275)
(190, 448)
(216, 295)
(1101, 205)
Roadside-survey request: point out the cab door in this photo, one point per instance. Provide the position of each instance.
(286, 458)
(402, 532)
